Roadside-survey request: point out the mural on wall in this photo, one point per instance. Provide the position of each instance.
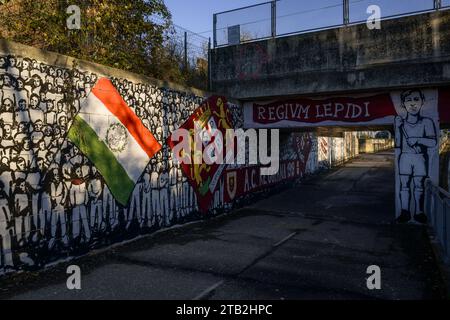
(108, 133)
(351, 144)
(59, 199)
(357, 110)
(415, 115)
(362, 110)
(324, 152)
(337, 151)
(212, 115)
(56, 198)
(34, 120)
(417, 156)
(299, 158)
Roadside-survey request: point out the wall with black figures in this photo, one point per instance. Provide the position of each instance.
(40, 93)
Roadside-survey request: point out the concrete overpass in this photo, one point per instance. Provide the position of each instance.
(412, 51)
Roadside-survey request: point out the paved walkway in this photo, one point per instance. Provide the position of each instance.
(314, 241)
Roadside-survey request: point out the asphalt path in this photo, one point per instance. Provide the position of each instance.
(313, 241)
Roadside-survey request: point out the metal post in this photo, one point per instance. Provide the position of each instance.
(434, 207)
(185, 51)
(447, 229)
(428, 199)
(274, 19)
(346, 12)
(444, 225)
(209, 65)
(215, 30)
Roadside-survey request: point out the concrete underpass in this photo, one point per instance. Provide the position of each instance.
(312, 241)
(89, 175)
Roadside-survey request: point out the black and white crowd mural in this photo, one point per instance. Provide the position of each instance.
(53, 202)
(417, 150)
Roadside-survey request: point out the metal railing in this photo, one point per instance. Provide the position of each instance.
(286, 17)
(375, 145)
(437, 209)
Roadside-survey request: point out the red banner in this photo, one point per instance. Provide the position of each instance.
(351, 110)
(213, 114)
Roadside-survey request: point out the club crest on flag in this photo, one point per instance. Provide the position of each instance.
(117, 138)
(211, 115)
(110, 134)
(232, 184)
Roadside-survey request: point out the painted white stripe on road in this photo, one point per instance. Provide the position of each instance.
(285, 239)
(208, 291)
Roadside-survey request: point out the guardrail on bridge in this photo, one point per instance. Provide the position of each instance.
(278, 18)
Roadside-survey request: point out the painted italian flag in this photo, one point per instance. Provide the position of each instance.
(109, 133)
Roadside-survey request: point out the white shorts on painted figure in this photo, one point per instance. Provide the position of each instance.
(412, 164)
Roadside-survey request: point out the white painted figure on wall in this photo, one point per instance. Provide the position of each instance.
(416, 139)
(79, 201)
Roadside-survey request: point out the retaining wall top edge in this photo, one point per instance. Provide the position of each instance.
(52, 58)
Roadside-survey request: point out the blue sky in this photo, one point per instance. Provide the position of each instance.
(295, 15)
(197, 15)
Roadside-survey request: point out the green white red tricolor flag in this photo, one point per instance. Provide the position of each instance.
(109, 133)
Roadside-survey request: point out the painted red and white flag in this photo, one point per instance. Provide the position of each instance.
(109, 133)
